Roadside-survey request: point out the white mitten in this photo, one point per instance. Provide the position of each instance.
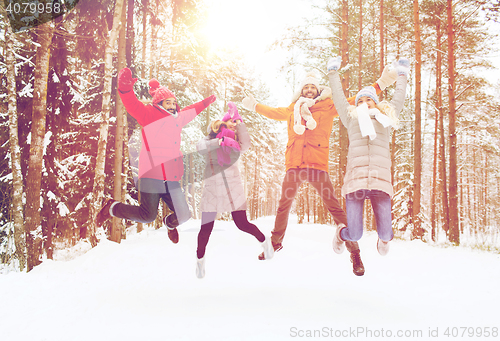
(389, 76)
(403, 67)
(249, 102)
(334, 63)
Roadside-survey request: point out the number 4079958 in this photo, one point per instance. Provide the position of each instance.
(32, 8)
(471, 332)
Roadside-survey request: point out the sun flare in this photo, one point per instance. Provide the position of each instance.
(224, 28)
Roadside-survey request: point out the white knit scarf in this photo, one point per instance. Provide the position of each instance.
(365, 123)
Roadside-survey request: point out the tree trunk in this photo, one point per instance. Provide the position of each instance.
(434, 178)
(454, 224)
(255, 194)
(117, 226)
(417, 232)
(98, 188)
(125, 166)
(144, 36)
(15, 152)
(485, 194)
(381, 29)
(130, 39)
(443, 188)
(344, 50)
(191, 185)
(34, 174)
(360, 47)
(154, 42)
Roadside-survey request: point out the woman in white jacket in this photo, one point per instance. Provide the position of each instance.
(368, 172)
(223, 189)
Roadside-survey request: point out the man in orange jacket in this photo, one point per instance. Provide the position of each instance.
(310, 121)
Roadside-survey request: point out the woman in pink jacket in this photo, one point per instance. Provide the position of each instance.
(160, 160)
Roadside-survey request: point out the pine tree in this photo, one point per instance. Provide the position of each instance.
(34, 175)
(98, 190)
(15, 153)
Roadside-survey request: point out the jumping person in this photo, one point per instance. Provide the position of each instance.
(223, 189)
(368, 173)
(310, 120)
(160, 160)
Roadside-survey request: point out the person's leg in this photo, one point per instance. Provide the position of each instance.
(354, 210)
(381, 204)
(320, 180)
(144, 213)
(241, 221)
(176, 202)
(207, 225)
(291, 184)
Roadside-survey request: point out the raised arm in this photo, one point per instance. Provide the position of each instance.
(279, 114)
(387, 78)
(126, 90)
(402, 68)
(188, 113)
(339, 99)
(341, 103)
(206, 145)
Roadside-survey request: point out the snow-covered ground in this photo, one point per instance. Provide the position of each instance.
(145, 289)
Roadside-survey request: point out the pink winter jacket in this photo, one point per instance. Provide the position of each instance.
(160, 156)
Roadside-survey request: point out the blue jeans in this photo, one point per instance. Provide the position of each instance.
(381, 204)
(171, 193)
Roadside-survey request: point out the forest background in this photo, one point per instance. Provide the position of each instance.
(66, 141)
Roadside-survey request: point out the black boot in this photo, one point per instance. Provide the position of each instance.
(171, 222)
(357, 264)
(104, 214)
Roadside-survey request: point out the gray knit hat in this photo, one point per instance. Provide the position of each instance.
(368, 91)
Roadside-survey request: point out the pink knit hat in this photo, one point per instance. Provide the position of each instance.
(232, 113)
(160, 93)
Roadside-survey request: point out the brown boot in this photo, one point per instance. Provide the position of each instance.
(104, 214)
(357, 265)
(171, 222)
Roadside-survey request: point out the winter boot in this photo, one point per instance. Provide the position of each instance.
(200, 267)
(171, 222)
(382, 247)
(104, 214)
(357, 265)
(338, 242)
(268, 248)
(276, 248)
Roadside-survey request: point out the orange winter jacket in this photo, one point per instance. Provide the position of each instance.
(311, 149)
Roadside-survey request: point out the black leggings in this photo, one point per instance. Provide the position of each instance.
(207, 225)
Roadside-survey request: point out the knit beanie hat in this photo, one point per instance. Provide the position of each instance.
(368, 91)
(310, 79)
(232, 113)
(158, 92)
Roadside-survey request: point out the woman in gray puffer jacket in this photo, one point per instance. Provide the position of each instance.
(223, 189)
(368, 173)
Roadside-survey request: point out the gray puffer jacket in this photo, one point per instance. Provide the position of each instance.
(368, 161)
(223, 189)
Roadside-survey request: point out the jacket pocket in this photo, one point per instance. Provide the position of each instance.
(316, 151)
